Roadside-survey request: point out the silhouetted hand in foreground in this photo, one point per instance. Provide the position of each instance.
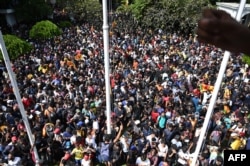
(218, 28)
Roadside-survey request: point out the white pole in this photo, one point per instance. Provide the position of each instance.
(215, 92)
(106, 63)
(18, 97)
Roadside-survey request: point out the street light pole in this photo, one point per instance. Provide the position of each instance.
(106, 63)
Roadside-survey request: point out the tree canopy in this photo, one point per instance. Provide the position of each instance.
(44, 30)
(171, 15)
(15, 46)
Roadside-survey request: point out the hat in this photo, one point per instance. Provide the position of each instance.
(14, 138)
(137, 122)
(133, 147)
(66, 135)
(57, 131)
(80, 123)
(92, 105)
(234, 135)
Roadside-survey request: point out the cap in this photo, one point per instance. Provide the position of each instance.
(137, 122)
(133, 147)
(80, 123)
(14, 138)
(57, 131)
(66, 135)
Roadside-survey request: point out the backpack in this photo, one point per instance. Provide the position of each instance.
(67, 144)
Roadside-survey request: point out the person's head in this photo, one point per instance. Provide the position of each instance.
(202, 156)
(143, 157)
(170, 126)
(163, 141)
(77, 145)
(14, 139)
(240, 124)
(10, 156)
(219, 161)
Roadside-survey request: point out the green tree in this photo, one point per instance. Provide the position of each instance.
(246, 59)
(83, 10)
(15, 46)
(139, 8)
(177, 15)
(124, 7)
(44, 30)
(64, 24)
(32, 10)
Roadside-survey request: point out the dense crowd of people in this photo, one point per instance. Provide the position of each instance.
(161, 84)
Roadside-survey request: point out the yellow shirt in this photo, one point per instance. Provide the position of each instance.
(78, 152)
(235, 145)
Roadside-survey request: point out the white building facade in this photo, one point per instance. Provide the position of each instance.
(232, 9)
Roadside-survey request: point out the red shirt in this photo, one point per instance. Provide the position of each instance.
(26, 102)
(154, 116)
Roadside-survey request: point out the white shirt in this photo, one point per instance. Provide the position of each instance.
(206, 96)
(125, 144)
(164, 84)
(183, 157)
(150, 137)
(15, 162)
(85, 162)
(162, 150)
(164, 75)
(73, 139)
(95, 125)
(91, 141)
(177, 143)
(140, 162)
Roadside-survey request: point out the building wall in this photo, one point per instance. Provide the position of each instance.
(232, 9)
(9, 16)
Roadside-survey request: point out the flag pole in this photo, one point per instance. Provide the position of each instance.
(215, 91)
(106, 63)
(18, 97)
